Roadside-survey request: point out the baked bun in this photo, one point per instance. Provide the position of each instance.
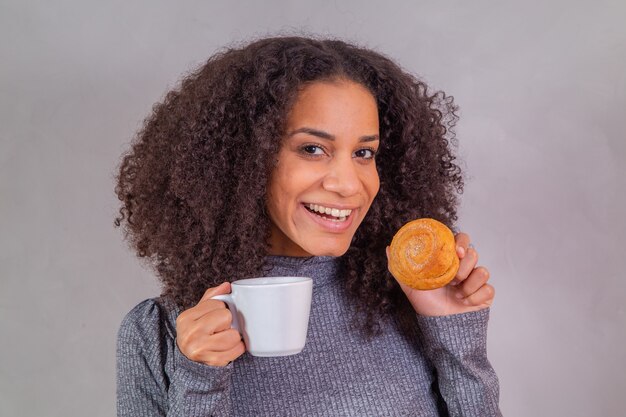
(423, 254)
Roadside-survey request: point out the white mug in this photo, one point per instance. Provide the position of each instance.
(271, 313)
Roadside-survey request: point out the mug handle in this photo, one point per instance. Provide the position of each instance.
(228, 299)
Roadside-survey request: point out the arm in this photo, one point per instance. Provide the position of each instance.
(456, 346)
(155, 379)
(453, 321)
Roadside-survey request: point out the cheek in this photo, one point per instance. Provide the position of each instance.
(372, 183)
(276, 207)
(281, 197)
(298, 181)
(273, 197)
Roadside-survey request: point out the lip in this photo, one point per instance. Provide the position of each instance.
(329, 225)
(333, 206)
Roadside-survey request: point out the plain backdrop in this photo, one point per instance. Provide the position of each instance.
(542, 91)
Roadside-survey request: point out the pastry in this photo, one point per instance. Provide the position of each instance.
(423, 255)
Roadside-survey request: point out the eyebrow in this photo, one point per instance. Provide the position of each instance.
(328, 136)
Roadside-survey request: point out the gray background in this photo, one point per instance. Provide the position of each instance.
(542, 89)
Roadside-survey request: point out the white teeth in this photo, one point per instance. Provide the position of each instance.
(340, 214)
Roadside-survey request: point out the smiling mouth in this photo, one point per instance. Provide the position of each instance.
(328, 213)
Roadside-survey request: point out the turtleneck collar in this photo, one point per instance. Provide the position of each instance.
(322, 269)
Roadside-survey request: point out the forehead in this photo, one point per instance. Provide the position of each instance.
(335, 103)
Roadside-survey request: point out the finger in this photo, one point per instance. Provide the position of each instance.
(224, 341)
(202, 308)
(466, 265)
(205, 304)
(218, 342)
(214, 321)
(212, 316)
(223, 288)
(224, 358)
(462, 241)
(234, 353)
(192, 335)
(483, 297)
(387, 251)
(476, 279)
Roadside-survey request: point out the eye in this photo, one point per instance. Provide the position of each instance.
(312, 150)
(365, 153)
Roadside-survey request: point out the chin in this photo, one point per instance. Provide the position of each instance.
(324, 250)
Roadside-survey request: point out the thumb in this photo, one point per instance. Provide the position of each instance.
(223, 288)
(388, 251)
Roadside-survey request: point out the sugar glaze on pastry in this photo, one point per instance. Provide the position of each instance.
(423, 255)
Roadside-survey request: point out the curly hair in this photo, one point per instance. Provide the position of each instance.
(193, 184)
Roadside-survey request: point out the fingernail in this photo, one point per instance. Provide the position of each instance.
(459, 295)
(461, 251)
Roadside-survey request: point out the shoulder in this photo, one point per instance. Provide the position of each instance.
(152, 318)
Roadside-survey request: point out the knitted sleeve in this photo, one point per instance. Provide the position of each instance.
(155, 379)
(457, 347)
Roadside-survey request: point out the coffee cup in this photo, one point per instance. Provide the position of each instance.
(271, 313)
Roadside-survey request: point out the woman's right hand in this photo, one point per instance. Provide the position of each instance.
(204, 334)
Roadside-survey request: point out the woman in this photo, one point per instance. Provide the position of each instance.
(295, 156)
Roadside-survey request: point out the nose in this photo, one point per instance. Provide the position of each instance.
(342, 177)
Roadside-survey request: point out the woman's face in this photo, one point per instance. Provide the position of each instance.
(325, 164)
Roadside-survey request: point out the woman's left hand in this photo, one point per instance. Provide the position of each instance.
(468, 291)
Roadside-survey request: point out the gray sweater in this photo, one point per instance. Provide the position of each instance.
(438, 367)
